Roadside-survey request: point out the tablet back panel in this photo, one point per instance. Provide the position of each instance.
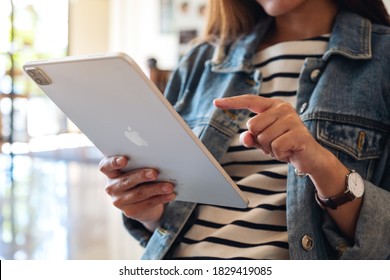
(118, 108)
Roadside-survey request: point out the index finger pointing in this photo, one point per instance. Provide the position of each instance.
(256, 104)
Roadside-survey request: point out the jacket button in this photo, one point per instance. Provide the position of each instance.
(315, 75)
(162, 231)
(307, 242)
(303, 108)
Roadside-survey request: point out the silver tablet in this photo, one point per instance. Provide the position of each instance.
(111, 100)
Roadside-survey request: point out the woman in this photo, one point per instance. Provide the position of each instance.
(300, 120)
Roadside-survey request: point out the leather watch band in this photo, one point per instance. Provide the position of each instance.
(334, 202)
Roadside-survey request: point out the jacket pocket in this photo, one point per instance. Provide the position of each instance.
(356, 146)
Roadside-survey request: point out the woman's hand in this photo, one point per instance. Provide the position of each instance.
(277, 129)
(136, 193)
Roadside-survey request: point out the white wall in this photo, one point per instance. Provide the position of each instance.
(135, 29)
(88, 26)
(130, 26)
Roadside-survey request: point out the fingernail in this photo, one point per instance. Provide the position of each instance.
(149, 174)
(167, 188)
(170, 197)
(119, 160)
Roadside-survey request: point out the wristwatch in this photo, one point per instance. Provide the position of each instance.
(355, 189)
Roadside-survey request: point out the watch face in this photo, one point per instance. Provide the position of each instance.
(356, 184)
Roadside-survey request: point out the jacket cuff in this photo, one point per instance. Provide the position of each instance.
(137, 230)
(372, 230)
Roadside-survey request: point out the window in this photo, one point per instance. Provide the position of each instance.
(29, 30)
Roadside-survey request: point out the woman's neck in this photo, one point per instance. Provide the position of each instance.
(305, 22)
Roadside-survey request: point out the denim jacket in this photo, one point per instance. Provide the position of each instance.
(344, 100)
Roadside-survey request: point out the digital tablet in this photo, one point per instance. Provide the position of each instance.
(111, 101)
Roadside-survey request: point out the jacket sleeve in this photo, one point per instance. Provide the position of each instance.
(372, 236)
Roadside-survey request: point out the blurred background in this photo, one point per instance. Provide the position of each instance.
(52, 199)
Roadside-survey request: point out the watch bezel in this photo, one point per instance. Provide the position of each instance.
(355, 184)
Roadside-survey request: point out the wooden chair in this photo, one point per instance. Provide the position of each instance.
(158, 76)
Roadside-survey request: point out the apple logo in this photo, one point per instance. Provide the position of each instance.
(134, 137)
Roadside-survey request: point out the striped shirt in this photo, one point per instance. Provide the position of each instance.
(260, 231)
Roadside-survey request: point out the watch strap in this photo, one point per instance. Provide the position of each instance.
(334, 202)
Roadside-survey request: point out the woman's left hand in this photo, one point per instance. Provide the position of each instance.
(277, 130)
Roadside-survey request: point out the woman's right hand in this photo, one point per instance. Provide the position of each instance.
(136, 193)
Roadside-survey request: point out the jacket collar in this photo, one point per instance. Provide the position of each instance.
(351, 37)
